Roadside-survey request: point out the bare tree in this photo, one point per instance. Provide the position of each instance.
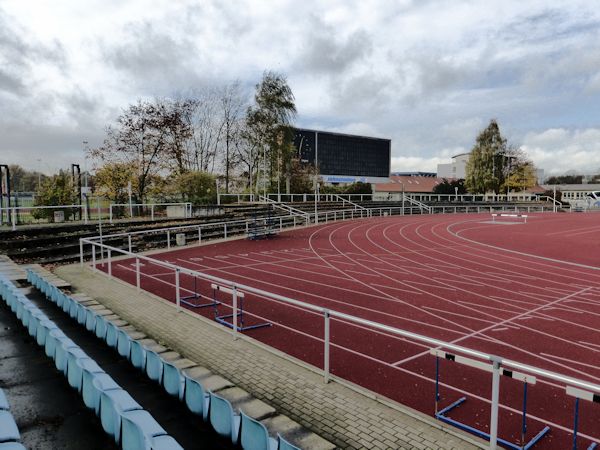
(205, 122)
(232, 108)
(139, 139)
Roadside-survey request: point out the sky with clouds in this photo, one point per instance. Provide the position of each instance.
(428, 74)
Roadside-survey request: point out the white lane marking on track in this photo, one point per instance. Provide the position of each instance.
(358, 272)
(463, 316)
(408, 291)
(468, 283)
(557, 308)
(572, 361)
(499, 329)
(591, 344)
(429, 285)
(402, 271)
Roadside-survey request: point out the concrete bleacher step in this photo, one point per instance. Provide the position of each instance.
(242, 401)
(296, 433)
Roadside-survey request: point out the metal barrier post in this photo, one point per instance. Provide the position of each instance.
(152, 212)
(225, 230)
(80, 252)
(169, 239)
(13, 219)
(280, 223)
(576, 423)
(110, 213)
(129, 242)
(137, 274)
(177, 294)
(199, 235)
(235, 316)
(327, 338)
(109, 260)
(495, 401)
(94, 258)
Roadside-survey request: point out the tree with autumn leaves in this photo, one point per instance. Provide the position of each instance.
(495, 166)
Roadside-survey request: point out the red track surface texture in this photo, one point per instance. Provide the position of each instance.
(529, 292)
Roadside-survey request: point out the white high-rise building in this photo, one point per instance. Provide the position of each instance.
(457, 169)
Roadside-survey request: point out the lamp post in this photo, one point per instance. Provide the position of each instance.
(402, 197)
(316, 176)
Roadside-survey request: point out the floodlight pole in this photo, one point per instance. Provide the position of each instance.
(316, 176)
(402, 183)
(2, 192)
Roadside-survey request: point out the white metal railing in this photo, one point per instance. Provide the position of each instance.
(12, 213)
(384, 196)
(284, 207)
(350, 202)
(187, 208)
(233, 227)
(488, 362)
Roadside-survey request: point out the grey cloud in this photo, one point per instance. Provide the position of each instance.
(324, 52)
(21, 52)
(11, 84)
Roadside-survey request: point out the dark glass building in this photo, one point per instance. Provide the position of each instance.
(345, 158)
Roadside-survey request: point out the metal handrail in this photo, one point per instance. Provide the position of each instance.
(348, 317)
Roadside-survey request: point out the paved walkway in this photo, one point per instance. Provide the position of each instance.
(339, 414)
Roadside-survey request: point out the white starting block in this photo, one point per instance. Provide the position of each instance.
(520, 217)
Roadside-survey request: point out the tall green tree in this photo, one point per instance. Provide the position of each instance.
(55, 190)
(485, 168)
(450, 187)
(270, 121)
(495, 166)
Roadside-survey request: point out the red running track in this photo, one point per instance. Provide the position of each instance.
(529, 292)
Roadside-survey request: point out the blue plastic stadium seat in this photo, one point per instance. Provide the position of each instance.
(112, 334)
(74, 309)
(165, 442)
(74, 371)
(61, 298)
(113, 404)
(4, 406)
(34, 320)
(137, 355)
(82, 315)
(44, 328)
(285, 445)
(53, 339)
(173, 381)
(154, 366)
(8, 428)
(62, 349)
(254, 435)
(93, 385)
(123, 343)
(12, 446)
(196, 397)
(24, 308)
(66, 303)
(90, 319)
(223, 419)
(137, 430)
(100, 329)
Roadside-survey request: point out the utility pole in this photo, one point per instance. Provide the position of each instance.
(316, 176)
